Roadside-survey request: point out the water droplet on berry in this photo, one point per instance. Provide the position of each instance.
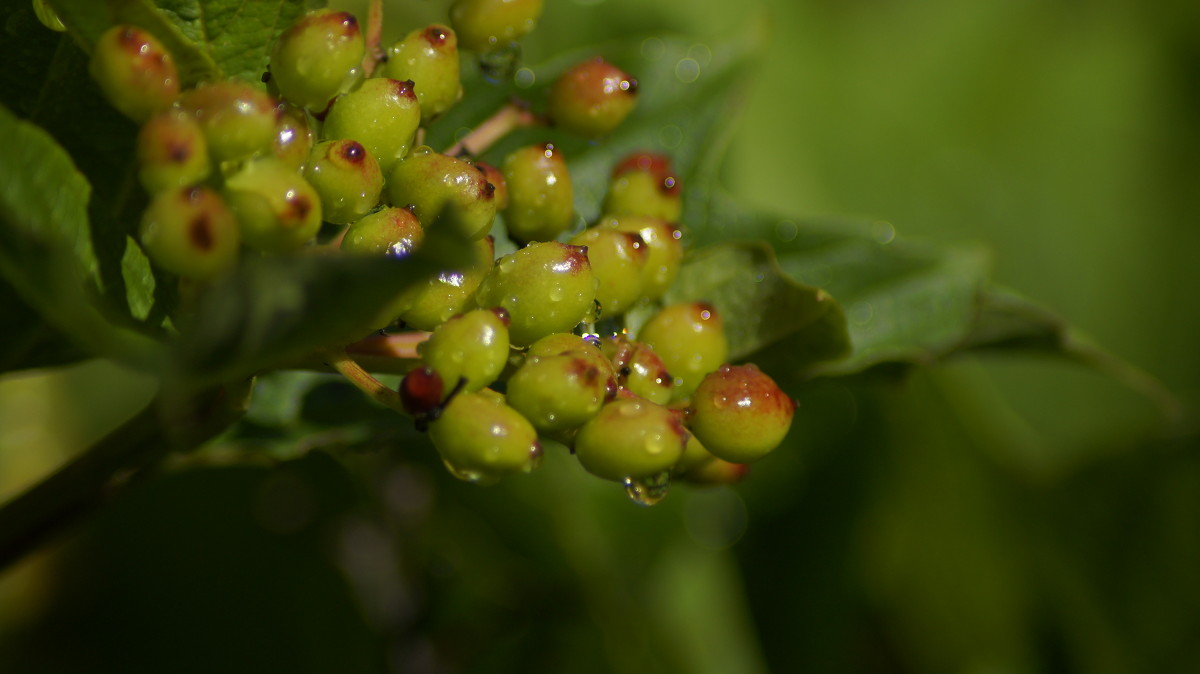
(648, 491)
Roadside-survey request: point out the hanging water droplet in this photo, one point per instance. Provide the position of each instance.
(465, 474)
(648, 491)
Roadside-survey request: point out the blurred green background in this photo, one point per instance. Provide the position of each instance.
(983, 515)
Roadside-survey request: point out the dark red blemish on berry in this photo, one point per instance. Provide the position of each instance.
(179, 151)
(487, 191)
(132, 40)
(635, 244)
(405, 89)
(200, 233)
(353, 152)
(298, 208)
(436, 36)
(421, 391)
(575, 258)
(611, 389)
(503, 315)
(650, 162)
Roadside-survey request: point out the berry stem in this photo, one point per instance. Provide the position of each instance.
(509, 117)
(374, 36)
(339, 360)
(399, 345)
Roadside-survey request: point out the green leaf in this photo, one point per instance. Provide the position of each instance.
(27, 341)
(86, 21)
(45, 249)
(280, 310)
(762, 307)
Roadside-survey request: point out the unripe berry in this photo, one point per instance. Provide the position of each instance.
(388, 231)
(545, 287)
(540, 200)
(471, 346)
(557, 393)
(570, 344)
(445, 190)
(429, 58)
(664, 249)
(644, 184)
(421, 391)
(238, 120)
(424, 307)
(135, 72)
(618, 261)
(317, 58)
(630, 439)
(383, 115)
(592, 98)
(294, 137)
(740, 414)
(496, 178)
(190, 232)
(481, 439)
(690, 339)
(716, 472)
(278, 210)
(639, 369)
(488, 25)
(347, 179)
(171, 152)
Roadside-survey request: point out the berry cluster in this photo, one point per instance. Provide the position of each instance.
(521, 349)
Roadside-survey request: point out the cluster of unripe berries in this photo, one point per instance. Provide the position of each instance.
(514, 353)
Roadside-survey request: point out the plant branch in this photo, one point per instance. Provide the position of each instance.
(374, 36)
(511, 116)
(351, 370)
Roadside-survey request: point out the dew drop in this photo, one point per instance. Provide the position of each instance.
(650, 490)
(465, 474)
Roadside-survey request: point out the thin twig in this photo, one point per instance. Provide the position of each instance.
(352, 371)
(374, 36)
(508, 118)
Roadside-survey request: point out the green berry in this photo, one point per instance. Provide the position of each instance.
(429, 57)
(558, 393)
(630, 440)
(426, 306)
(347, 179)
(383, 115)
(446, 190)
(644, 184)
(570, 344)
(690, 339)
(481, 439)
(639, 369)
(545, 287)
(540, 201)
(471, 346)
(618, 261)
(740, 414)
(592, 98)
(135, 72)
(171, 152)
(488, 25)
(714, 472)
(190, 232)
(664, 249)
(388, 231)
(317, 58)
(277, 208)
(238, 120)
(294, 136)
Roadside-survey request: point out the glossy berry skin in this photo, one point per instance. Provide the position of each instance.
(481, 439)
(570, 344)
(190, 232)
(429, 57)
(639, 369)
(540, 201)
(664, 249)
(277, 208)
(644, 184)
(471, 346)
(317, 58)
(238, 120)
(739, 413)
(690, 339)
(171, 152)
(444, 191)
(592, 98)
(135, 72)
(546, 287)
(383, 115)
(716, 472)
(388, 231)
(424, 307)
(558, 393)
(618, 261)
(488, 25)
(421, 393)
(630, 439)
(294, 137)
(346, 177)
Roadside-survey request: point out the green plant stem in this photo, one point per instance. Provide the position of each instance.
(29, 519)
(351, 370)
